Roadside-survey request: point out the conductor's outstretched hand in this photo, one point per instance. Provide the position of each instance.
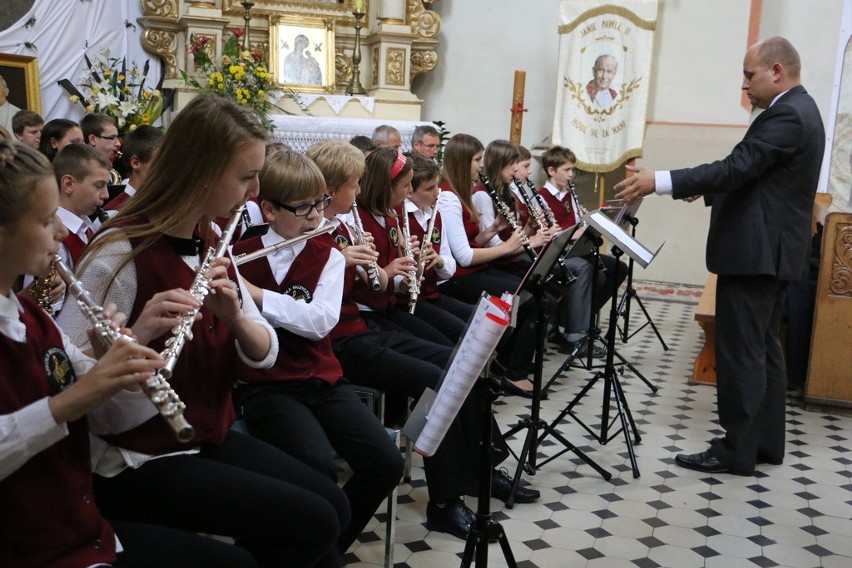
(640, 184)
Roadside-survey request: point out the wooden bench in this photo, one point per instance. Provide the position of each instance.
(704, 370)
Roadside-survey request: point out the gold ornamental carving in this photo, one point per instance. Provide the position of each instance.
(162, 43)
(423, 62)
(395, 67)
(374, 68)
(841, 266)
(424, 23)
(161, 8)
(342, 67)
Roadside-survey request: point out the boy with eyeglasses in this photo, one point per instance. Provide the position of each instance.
(302, 404)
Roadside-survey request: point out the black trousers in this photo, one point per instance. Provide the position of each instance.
(151, 546)
(273, 505)
(515, 352)
(446, 314)
(751, 379)
(405, 365)
(314, 421)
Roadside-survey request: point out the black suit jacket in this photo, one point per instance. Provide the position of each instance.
(762, 194)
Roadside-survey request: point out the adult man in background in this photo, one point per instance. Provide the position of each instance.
(762, 198)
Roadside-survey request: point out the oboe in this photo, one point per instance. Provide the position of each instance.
(157, 388)
(360, 239)
(199, 289)
(506, 213)
(413, 280)
(241, 259)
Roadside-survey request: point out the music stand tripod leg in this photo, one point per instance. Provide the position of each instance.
(486, 529)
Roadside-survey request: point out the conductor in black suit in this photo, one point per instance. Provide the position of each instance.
(762, 198)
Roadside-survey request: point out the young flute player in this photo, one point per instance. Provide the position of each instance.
(145, 259)
(302, 404)
(47, 386)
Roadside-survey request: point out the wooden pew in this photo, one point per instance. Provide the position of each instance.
(704, 369)
(830, 363)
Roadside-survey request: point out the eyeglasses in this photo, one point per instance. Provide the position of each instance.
(304, 210)
(113, 137)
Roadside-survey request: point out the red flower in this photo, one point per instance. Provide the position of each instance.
(238, 32)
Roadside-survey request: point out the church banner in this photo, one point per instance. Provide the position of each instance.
(605, 51)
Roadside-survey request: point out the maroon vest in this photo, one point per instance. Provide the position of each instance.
(562, 210)
(350, 321)
(204, 372)
(117, 202)
(387, 241)
(429, 284)
(75, 246)
(49, 517)
(299, 358)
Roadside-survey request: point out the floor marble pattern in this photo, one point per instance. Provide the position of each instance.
(798, 514)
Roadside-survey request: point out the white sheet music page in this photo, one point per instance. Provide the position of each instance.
(486, 327)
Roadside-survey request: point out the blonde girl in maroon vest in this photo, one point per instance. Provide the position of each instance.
(144, 260)
(48, 516)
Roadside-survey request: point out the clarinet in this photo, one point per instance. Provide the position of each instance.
(413, 280)
(182, 332)
(579, 209)
(534, 209)
(157, 388)
(102, 215)
(372, 268)
(542, 204)
(507, 214)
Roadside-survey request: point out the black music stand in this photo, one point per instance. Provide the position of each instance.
(622, 242)
(534, 284)
(631, 294)
(590, 243)
(485, 529)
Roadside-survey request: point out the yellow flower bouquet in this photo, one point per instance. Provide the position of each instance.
(109, 86)
(239, 75)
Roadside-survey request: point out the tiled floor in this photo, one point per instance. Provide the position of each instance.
(797, 514)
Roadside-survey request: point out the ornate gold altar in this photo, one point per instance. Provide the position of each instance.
(398, 41)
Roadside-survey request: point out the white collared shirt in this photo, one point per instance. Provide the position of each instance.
(312, 320)
(423, 217)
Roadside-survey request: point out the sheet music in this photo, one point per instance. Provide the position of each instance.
(486, 327)
(621, 239)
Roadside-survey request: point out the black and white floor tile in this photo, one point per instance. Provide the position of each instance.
(798, 514)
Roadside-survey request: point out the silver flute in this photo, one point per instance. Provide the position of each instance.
(241, 259)
(199, 289)
(157, 388)
(360, 239)
(413, 280)
(427, 240)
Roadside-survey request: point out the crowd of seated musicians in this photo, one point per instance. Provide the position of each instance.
(277, 342)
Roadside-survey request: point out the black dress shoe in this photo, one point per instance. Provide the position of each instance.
(704, 461)
(452, 517)
(511, 388)
(501, 488)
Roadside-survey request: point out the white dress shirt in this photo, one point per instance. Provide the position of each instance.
(312, 320)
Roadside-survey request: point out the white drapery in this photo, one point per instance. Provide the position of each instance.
(59, 32)
(603, 124)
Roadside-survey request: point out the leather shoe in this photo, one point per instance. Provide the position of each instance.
(568, 347)
(453, 517)
(704, 461)
(501, 488)
(511, 388)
